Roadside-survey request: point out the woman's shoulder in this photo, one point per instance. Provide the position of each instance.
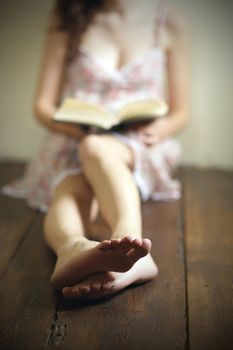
(175, 27)
(176, 20)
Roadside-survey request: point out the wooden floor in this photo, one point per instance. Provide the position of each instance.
(188, 306)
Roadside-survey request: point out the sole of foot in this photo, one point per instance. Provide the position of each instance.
(104, 284)
(117, 255)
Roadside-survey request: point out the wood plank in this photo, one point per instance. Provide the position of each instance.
(209, 228)
(145, 317)
(28, 303)
(15, 216)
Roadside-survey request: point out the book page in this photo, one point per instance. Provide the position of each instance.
(140, 110)
(76, 111)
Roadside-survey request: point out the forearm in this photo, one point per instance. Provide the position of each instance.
(44, 116)
(176, 123)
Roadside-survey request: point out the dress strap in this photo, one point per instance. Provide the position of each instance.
(160, 20)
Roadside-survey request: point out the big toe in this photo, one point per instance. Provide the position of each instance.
(146, 245)
(140, 248)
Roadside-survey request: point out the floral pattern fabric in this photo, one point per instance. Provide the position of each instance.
(89, 79)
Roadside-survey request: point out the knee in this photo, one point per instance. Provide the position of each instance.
(91, 148)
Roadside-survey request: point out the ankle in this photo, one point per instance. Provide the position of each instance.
(70, 245)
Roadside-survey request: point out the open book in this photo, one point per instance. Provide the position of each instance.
(88, 114)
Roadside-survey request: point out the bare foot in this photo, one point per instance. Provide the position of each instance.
(87, 257)
(107, 283)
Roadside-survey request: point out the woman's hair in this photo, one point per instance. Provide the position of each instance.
(74, 16)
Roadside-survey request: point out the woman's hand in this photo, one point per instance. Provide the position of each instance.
(44, 113)
(74, 131)
(153, 132)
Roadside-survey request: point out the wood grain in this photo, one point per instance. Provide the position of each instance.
(15, 217)
(145, 317)
(188, 306)
(28, 303)
(209, 231)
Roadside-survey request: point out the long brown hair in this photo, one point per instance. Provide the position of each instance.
(74, 16)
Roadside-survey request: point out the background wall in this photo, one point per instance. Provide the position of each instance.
(209, 138)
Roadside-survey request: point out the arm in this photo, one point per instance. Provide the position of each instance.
(178, 85)
(51, 80)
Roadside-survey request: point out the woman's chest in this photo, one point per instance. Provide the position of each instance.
(116, 43)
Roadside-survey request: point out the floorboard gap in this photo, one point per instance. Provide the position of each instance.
(58, 331)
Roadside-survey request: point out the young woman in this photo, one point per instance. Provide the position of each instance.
(107, 52)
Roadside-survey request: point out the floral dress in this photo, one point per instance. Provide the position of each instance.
(90, 80)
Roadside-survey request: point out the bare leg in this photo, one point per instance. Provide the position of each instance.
(64, 231)
(67, 219)
(68, 216)
(107, 164)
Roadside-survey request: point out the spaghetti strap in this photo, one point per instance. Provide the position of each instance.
(160, 21)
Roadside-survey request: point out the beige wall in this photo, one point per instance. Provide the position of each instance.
(207, 141)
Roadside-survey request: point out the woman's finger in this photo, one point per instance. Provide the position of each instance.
(149, 139)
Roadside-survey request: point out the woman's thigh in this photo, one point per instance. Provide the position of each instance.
(109, 144)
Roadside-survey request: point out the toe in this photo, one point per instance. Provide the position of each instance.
(115, 243)
(107, 285)
(84, 289)
(67, 292)
(96, 286)
(105, 245)
(137, 243)
(126, 242)
(127, 239)
(141, 248)
(76, 292)
(71, 292)
(146, 245)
